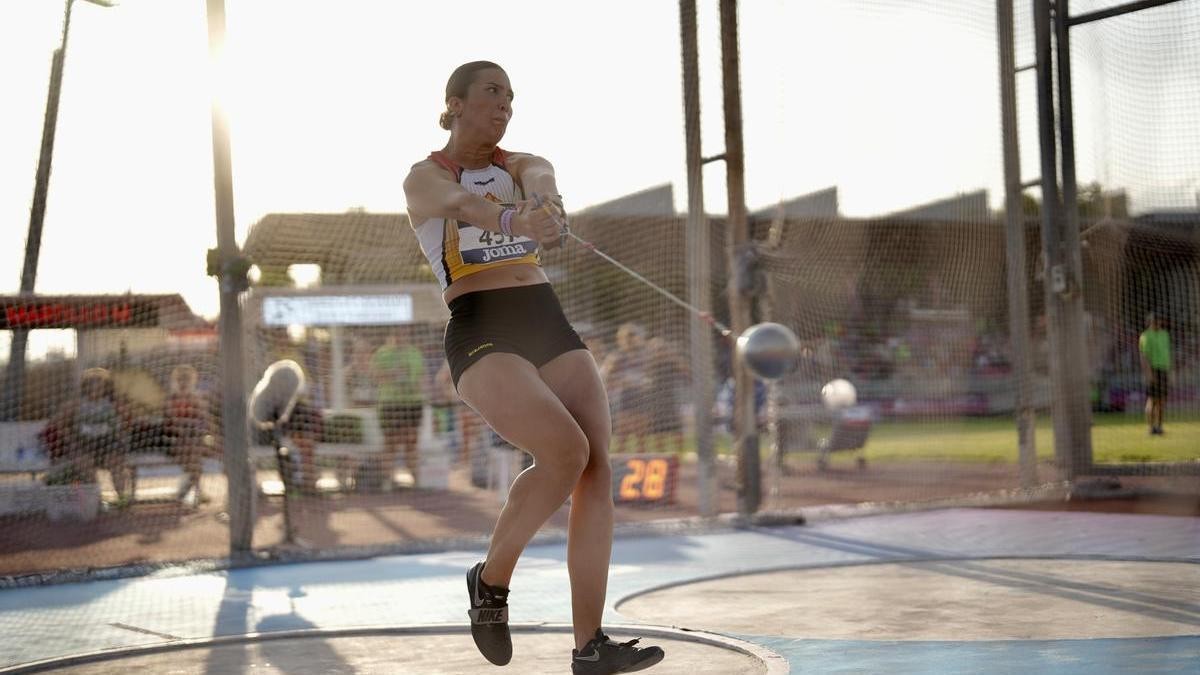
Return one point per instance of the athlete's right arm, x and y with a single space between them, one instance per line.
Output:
432 192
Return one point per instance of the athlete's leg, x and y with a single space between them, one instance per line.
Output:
506 391
468 422
575 380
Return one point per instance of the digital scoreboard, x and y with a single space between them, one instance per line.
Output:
644 478
76 312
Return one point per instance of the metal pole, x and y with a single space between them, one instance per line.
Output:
1052 248
1077 405
1018 291
698 251
337 343
1109 12
232 282
745 426
14 389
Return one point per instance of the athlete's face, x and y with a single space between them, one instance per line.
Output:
488 106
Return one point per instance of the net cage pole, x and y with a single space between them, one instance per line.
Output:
1064 22
745 429
698 251
231 281
1018 289
1079 411
1064 292
1061 244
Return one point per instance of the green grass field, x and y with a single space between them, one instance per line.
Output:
1116 437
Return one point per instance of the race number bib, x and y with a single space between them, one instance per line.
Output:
479 246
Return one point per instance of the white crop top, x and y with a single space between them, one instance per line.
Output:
457 249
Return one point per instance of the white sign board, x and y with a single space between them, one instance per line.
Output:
20 447
337 310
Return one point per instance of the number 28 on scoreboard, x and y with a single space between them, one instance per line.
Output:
644 478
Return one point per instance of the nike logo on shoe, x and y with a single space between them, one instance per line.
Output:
594 657
476 599
490 615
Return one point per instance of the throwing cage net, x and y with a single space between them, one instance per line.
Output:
874 183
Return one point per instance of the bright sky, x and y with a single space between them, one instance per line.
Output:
895 102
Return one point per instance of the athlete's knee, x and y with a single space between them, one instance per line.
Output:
598 471
578 453
569 457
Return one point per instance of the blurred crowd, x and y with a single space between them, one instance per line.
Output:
170 402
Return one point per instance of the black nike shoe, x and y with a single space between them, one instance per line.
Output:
602 656
489 617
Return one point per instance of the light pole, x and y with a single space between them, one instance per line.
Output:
10 406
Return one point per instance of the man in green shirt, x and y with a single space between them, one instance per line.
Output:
399 374
1155 346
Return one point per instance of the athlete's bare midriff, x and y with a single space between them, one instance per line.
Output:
500 277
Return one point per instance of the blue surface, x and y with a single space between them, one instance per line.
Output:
50 621
1154 655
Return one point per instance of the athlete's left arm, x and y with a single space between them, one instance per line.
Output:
536 176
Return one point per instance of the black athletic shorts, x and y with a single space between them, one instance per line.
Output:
524 320
1156 386
397 417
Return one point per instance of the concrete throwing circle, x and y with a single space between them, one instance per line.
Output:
430 650
994 599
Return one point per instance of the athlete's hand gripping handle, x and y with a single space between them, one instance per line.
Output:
541 221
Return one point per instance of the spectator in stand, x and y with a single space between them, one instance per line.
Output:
187 423
1155 346
305 428
668 377
465 421
626 376
398 370
359 382
723 407
90 433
